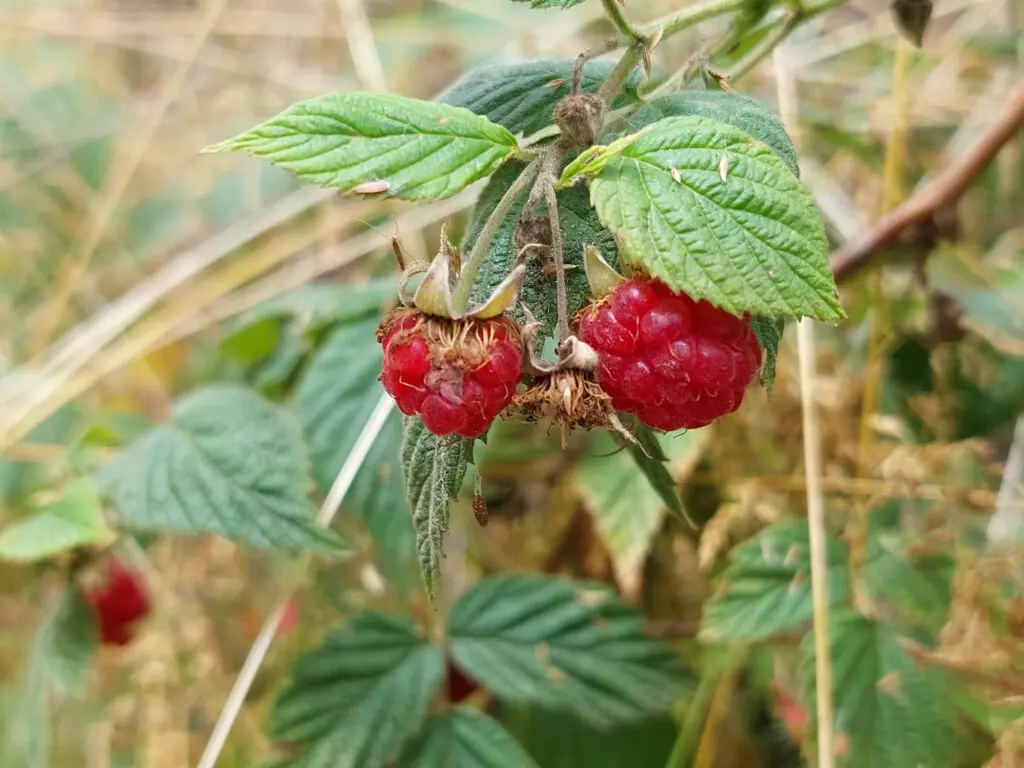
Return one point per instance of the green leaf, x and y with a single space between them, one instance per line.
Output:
568 645
522 97
627 507
769 335
73 520
68 641
61 653
766 589
580 227
465 738
561 740
354 702
743 112
434 468
551 3
754 242
888 709
335 397
423 150
230 463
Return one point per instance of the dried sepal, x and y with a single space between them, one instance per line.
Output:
435 295
571 399
603 279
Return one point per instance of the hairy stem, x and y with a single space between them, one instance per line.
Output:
614 12
790 21
478 254
611 87
556 253
693 16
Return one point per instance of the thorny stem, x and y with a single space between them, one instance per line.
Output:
614 12
556 252
478 254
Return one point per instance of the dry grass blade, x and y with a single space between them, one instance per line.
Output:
786 89
261 646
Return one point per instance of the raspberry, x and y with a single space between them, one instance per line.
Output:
119 602
458 685
457 375
674 362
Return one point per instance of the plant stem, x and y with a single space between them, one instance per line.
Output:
618 18
775 35
556 252
478 254
692 16
611 87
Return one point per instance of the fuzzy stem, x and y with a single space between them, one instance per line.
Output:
614 12
478 254
556 252
611 87
692 16
790 21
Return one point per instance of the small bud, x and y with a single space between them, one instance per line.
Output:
912 17
579 117
480 510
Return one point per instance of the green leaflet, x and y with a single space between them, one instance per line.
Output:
464 737
567 645
334 399
419 150
766 589
769 332
521 97
753 242
743 112
73 520
629 507
354 702
61 653
580 227
888 709
229 463
434 469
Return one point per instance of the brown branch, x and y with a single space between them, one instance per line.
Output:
942 192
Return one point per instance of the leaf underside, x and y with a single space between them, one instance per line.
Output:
769 332
434 469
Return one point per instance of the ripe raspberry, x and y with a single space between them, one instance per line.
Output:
674 362
457 375
119 602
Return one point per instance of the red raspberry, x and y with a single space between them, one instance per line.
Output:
674 362
457 375
119 602
458 685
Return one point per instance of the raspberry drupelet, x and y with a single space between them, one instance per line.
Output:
456 375
674 362
119 602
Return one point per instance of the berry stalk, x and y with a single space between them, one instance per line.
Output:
477 255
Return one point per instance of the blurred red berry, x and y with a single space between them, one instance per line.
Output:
456 375
119 602
458 685
674 362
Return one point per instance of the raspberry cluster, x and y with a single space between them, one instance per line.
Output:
119 602
457 375
674 362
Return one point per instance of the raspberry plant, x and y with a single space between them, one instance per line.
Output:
637 247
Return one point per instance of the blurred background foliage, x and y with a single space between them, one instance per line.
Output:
133 269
